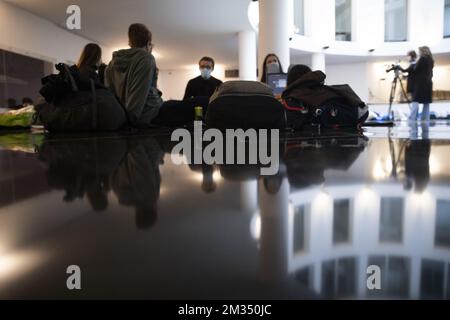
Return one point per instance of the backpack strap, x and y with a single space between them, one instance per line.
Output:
94 105
73 83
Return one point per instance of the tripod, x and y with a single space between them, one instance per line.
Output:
397 79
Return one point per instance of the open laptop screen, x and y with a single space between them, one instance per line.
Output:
277 81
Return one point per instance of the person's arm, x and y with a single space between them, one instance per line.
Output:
139 88
189 91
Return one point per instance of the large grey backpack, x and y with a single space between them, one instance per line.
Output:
245 104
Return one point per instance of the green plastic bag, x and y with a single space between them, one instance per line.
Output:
18 118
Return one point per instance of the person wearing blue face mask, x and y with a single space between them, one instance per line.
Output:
205 84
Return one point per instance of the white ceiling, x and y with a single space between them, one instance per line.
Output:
183 30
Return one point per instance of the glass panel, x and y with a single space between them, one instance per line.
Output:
339 278
432 280
341 221
395 15
346 280
299 229
447 19
299 17
442 235
391 220
305 277
329 286
343 20
20 77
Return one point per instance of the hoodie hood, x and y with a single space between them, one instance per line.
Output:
123 59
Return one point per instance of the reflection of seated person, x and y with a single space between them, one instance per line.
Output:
207 172
417 165
82 168
205 84
136 182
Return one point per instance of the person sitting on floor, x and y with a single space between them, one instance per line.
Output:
90 62
271 64
131 75
205 84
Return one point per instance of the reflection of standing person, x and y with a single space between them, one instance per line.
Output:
423 85
417 164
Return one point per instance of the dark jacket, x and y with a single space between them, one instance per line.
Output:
311 91
423 82
411 77
89 72
199 87
132 75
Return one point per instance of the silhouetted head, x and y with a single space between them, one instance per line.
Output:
272 184
91 56
270 59
139 36
27 102
296 72
98 199
412 55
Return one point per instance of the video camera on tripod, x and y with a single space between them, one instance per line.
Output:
395 67
398 71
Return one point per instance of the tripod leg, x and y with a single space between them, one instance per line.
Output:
404 92
392 97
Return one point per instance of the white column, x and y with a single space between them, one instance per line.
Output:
274 233
274 17
318 62
247 55
249 195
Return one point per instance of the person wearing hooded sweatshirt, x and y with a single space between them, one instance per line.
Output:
132 76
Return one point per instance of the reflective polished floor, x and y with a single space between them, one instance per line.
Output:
139 226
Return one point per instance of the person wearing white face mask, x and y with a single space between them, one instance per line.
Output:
205 84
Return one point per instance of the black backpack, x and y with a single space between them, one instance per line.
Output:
245 105
76 104
308 101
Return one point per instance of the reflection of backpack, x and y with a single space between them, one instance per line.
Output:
309 101
245 105
76 103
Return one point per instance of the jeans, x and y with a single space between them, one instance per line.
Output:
415 111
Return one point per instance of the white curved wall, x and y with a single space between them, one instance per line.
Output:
425 27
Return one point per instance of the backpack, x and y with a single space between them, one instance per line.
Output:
308 101
76 104
245 105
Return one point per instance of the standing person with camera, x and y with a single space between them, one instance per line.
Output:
412 58
422 92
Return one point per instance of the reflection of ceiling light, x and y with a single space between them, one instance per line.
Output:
255 226
12 265
382 169
322 201
435 166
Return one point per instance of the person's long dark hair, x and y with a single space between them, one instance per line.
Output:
90 57
264 67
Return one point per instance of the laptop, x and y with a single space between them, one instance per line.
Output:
277 81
